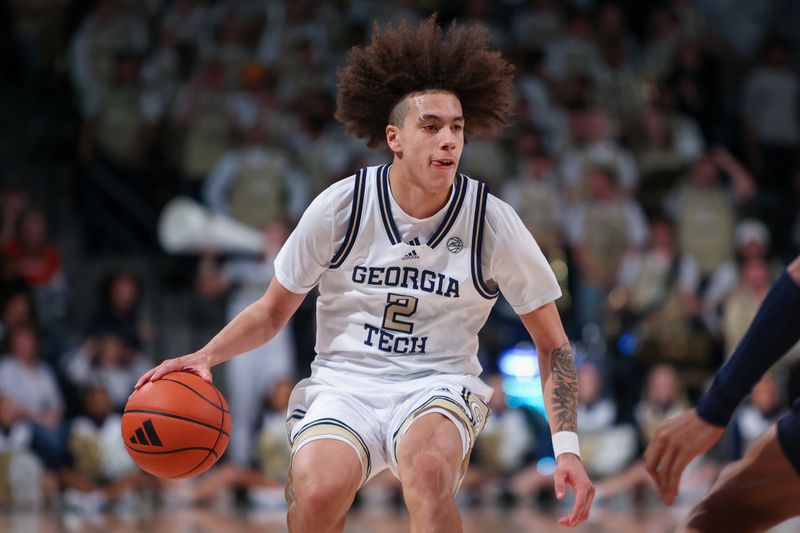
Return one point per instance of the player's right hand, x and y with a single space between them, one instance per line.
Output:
196 363
676 442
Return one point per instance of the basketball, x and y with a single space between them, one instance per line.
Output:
177 426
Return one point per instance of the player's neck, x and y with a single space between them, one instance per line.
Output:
413 199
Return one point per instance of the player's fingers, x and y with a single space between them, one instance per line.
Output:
665 471
674 472
582 499
145 378
654 453
560 485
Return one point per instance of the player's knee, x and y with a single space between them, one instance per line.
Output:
428 476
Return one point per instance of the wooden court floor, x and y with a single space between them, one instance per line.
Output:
480 520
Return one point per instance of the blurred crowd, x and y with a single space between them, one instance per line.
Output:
653 155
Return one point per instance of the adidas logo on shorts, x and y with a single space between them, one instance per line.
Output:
146 435
411 255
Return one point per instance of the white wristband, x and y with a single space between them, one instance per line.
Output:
566 442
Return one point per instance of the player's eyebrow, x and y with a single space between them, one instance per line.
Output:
429 116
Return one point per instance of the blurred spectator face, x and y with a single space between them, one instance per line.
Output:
127 70
654 127
598 125
778 55
18 310
755 274
766 395
614 54
662 386
704 173
688 57
24 345
665 23
590 384
661 234
279 395
97 403
611 20
601 184
124 292
33 230
111 351
538 167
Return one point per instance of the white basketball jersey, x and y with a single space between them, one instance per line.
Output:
396 309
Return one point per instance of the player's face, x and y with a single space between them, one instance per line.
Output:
430 142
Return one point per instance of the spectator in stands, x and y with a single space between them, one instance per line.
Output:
705 209
99 473
662 399
752 242
272 454
771 114
534 194
663 147
16 309
36 258
600 148
24 483
506 455
202 121
656 296
606 448
601 230
743 302
120 310
108 360
765 407
32 386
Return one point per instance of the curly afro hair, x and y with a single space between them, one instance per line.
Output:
405 60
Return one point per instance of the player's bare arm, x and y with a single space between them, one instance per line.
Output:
560 389
679 440
254 326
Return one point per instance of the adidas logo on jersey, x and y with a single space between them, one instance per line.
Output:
411 255
146 435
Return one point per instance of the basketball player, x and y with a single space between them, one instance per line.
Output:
409 259
763 488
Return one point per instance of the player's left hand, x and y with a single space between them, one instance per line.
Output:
570 472
675 443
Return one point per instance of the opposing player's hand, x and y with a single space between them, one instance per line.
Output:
570 472
676 442
196 363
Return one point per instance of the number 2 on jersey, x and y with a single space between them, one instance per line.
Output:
399 305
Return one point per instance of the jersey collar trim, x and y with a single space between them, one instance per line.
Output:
385 206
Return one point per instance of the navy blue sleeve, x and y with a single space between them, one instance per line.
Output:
775 329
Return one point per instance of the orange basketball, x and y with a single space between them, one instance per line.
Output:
177 426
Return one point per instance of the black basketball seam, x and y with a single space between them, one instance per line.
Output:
164 452
194 391
219 433
179 417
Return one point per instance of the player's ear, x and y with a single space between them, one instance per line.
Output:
393 138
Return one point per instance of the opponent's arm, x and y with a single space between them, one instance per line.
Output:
774 330
254 326
560 389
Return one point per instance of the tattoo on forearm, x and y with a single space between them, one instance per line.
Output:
565 391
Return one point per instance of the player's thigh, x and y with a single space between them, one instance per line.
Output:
758 491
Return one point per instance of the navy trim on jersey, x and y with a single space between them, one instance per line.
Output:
338 423
355 220
385 205
459 193
477 244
